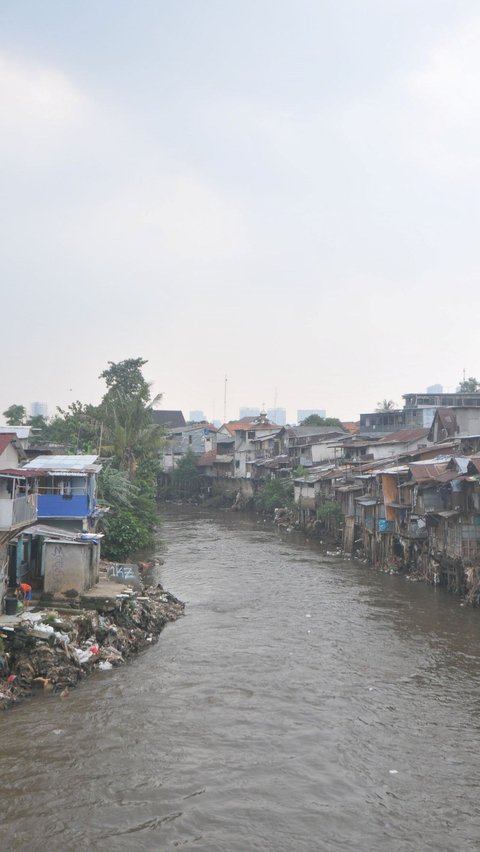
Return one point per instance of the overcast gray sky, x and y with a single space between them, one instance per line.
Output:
283 192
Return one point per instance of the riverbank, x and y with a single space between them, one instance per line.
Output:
53 648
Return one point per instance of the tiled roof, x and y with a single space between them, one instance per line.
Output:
351 426
243 426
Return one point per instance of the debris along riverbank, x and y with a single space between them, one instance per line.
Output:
54 648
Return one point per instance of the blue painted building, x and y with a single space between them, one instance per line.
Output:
67 488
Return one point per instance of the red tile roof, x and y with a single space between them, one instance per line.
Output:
244 426
351 426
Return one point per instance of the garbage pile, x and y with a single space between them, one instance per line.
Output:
52 651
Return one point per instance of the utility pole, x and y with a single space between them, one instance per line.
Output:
225 401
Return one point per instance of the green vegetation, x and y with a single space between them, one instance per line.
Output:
276 494
121 431
316 420
470 385
329 509
15 415
186 477
131 443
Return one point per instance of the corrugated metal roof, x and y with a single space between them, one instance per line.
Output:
20 431
404 436
433 471
62 464
269 436
313 431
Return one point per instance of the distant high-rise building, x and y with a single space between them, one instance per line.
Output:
435 389
247 411
302 413
197 416
39 409
277 415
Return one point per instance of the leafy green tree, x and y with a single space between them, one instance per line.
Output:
39 427
124 534
78 428
186 476
125 379
470 385
316 420
15 415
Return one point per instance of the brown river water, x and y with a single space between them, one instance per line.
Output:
304 702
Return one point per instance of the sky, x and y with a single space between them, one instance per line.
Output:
283 192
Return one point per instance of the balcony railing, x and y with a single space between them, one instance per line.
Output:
21 510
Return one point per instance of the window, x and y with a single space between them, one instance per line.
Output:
251 436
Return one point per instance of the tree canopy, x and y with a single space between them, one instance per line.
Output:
125 379
471 385
15 415
316 420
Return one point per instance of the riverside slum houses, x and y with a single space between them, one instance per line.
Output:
245 453
406 500
48 515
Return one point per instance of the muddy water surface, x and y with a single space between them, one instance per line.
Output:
303 703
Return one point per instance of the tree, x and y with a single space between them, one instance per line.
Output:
38 426
470 385
386 405
78 427
125 379
132 441
186 475
316 420
131 436
15 415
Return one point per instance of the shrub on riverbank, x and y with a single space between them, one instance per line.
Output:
275 493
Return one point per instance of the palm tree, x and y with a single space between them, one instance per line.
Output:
386 405
131 433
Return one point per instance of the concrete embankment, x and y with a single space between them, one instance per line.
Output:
53 649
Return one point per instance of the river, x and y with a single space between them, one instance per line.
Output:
304 702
